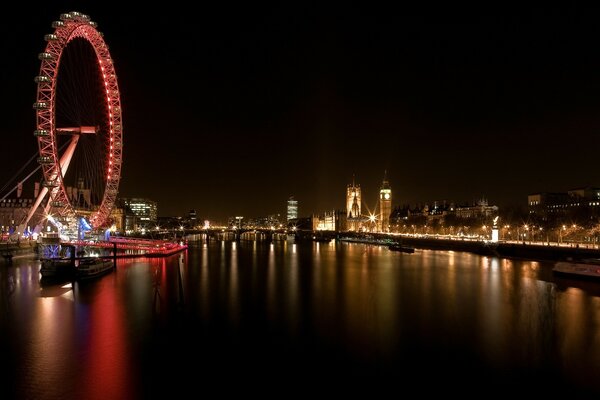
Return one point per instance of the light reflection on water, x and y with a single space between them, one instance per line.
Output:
318 312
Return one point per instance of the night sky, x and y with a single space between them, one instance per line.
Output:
231 110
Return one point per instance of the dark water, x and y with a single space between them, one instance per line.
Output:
307 319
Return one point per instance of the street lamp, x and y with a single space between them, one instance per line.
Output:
560 233
505 231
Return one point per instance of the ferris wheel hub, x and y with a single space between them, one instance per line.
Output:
77 130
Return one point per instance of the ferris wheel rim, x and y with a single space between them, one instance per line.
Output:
70 26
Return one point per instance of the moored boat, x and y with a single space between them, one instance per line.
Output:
401 247
60 267
91 267
367 240
583 269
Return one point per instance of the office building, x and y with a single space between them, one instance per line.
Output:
292 209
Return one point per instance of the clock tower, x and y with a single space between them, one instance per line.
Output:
385 205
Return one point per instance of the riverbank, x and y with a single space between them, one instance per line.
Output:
522 250
505 249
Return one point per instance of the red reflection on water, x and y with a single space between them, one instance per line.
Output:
106 372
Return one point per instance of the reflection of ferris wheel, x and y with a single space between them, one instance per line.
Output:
79 127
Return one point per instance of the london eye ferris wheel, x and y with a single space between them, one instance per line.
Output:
79 127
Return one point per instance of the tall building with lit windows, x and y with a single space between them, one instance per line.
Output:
385 205
292 209
145 210
353 207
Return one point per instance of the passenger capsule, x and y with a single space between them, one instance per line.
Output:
41 132
45 56
58 24
57 204
49 184
40 105
65 17
93 24
50 37
42 78
45 160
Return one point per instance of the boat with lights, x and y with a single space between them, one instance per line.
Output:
92 267
585 268
401 247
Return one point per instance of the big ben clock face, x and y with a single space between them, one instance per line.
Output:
386 196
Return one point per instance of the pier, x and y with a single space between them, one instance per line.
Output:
121 248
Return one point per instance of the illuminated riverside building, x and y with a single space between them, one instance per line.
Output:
145 210
443 217
117 217
577 205
478 211
354 218
12 212
385 206
330 221
272 221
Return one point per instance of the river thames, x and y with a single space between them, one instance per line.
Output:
286 319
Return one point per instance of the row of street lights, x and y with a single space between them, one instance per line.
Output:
521 233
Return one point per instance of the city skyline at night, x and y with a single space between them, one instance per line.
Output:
299 198
230 114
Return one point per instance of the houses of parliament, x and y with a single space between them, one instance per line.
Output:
353 218
386 219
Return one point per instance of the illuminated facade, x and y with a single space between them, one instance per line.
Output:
12 213
581 205
292 209
385 206
353 207
145 210
329 221
480 210
117 216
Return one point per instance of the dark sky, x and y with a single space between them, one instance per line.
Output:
230 110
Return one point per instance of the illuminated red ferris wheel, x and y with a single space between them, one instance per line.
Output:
79 127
